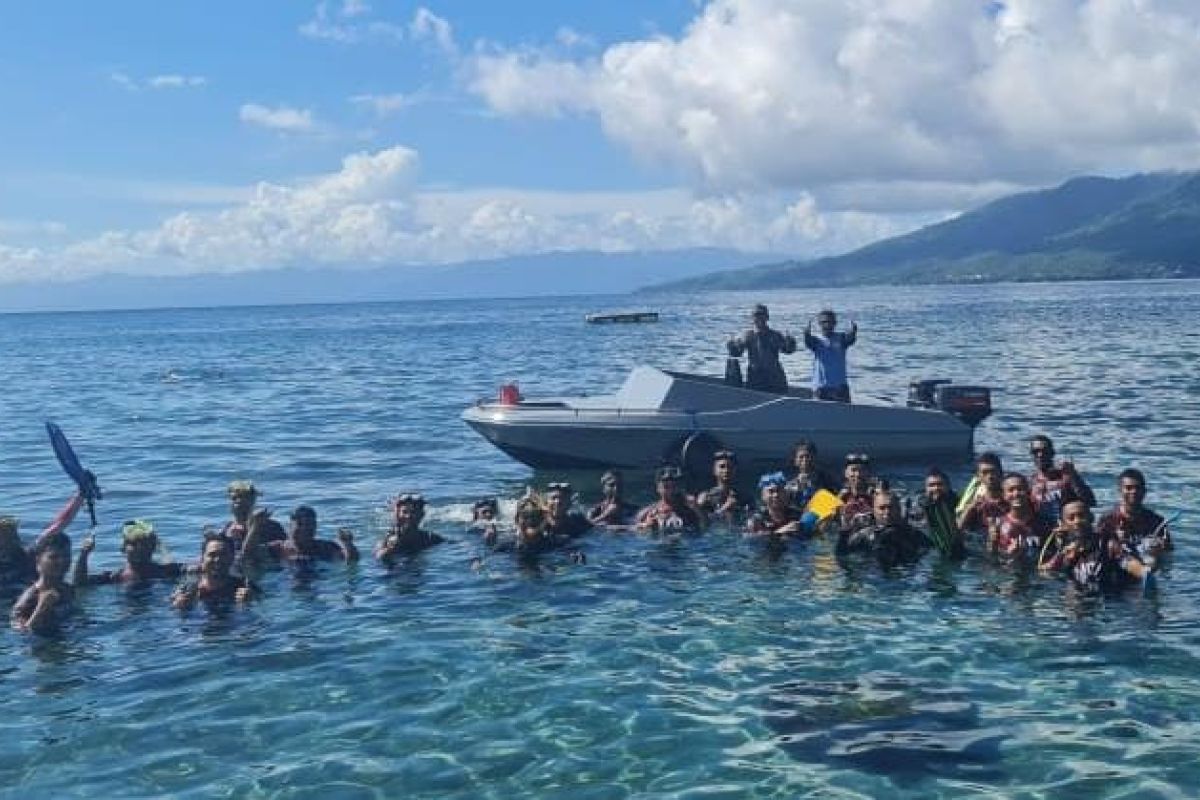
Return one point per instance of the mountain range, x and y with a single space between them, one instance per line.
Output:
1089 228
546 274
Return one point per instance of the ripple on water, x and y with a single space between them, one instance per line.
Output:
706 667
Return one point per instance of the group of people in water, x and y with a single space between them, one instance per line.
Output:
1043 520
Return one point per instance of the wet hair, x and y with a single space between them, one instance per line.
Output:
216 536
242 487
9 525
486 502
612 475
303 511
807 445
55 541
1043 438
530 510
760 311
136 530
1017 476
1133 475
936 472
989 458
827 312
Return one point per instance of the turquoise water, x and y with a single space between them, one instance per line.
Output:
710 667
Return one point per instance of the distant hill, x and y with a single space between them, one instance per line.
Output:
1145 226
544 274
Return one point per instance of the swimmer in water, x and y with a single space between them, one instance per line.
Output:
884 532
139 543
50 600
988 503
561 520
1054 485
721 500
242 497
776 515
1020 533
216 583
856 492
671 512
18 565
1089 558
1136 526
484 519
302 544
806 479
406 537
612 511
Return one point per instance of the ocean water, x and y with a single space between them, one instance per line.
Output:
710 667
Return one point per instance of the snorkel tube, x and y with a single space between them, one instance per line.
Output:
84 479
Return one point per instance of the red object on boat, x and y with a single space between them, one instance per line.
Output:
510 395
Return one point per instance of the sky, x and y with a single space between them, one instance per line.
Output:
158 138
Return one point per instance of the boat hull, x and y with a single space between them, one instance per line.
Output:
571 438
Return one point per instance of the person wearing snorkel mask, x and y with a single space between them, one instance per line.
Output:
139 543
612 510
406 537
242 497
1052 485
671 512
885 533
1090 558
561 520
856 491
722 500
776 515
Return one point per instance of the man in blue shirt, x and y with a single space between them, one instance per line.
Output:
830 381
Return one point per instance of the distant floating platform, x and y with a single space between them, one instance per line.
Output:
634 316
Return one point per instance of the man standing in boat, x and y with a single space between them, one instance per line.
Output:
830 379
762 346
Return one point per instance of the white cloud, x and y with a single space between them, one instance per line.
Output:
175 81
281 118
348 24
805 95
166 81
372 211
384 105
426 25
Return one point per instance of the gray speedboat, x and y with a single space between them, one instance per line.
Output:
661 417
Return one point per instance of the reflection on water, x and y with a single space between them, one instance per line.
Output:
662 666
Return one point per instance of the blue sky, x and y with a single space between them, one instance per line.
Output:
160 138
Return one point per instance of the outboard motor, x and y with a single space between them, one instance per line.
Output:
971 404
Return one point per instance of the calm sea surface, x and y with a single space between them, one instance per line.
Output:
710 667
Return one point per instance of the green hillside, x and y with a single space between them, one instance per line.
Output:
1145 226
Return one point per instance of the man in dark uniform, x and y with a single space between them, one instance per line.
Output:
762 346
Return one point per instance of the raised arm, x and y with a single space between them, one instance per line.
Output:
852 336
345 540
736 345
80 576
60 522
